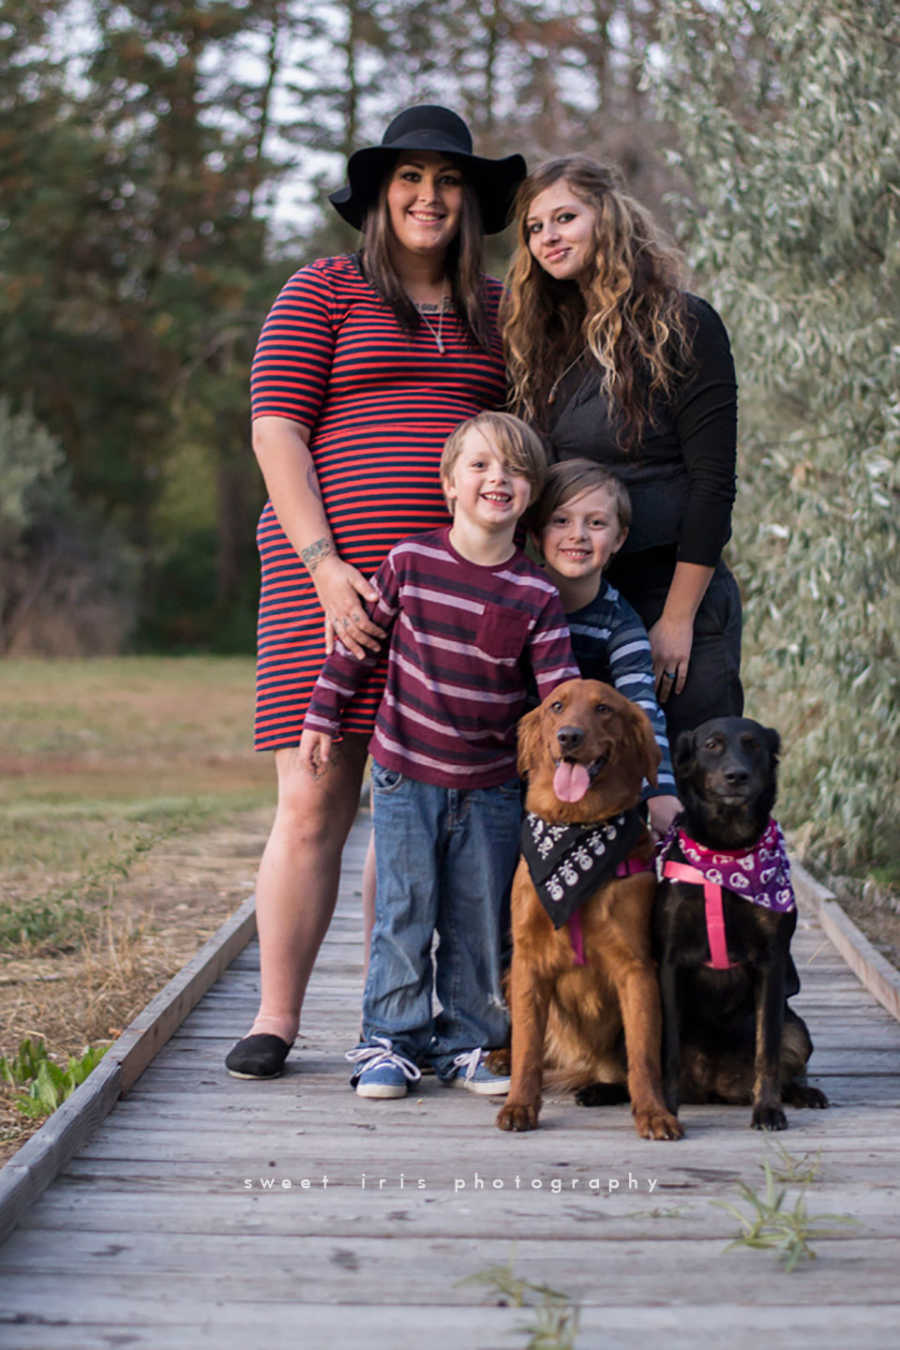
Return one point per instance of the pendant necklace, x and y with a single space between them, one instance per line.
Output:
436 333
551 397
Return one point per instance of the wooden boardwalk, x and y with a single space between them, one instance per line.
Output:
199 1213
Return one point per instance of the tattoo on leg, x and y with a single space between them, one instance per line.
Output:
314 554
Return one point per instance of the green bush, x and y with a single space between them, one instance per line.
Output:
789 115
67 580
182 608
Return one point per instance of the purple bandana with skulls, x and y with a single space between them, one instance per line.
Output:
762 875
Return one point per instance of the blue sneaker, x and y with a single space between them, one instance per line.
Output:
382 1071
474 1073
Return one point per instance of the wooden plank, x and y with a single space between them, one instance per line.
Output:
336 1211
859 1033
186 1188
323 1108
387 1326
725 1156
167 1086
876 973
385 1169
35 1165
165 1100
589 1269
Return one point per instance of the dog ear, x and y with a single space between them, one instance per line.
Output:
529 734
684 750
648 751
773 741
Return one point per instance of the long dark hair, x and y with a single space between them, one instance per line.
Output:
632 319
463 265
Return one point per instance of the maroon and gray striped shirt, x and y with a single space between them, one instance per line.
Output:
463 638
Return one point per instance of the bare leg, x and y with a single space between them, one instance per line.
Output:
298 877
368 901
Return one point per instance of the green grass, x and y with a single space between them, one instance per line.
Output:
127 706
42 925
101 761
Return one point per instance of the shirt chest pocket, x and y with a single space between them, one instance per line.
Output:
502 632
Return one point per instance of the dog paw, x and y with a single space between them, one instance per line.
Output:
656 1123
801 1094
768 1118
499 1061
512 1116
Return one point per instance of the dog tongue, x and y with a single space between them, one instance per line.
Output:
571 782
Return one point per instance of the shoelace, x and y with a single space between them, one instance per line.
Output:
470 1061
374 1056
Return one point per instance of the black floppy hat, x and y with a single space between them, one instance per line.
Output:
430 127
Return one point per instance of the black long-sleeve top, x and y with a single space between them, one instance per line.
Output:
681 477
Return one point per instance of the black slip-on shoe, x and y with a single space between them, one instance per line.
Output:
260 1056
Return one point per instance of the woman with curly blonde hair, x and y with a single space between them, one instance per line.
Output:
614 361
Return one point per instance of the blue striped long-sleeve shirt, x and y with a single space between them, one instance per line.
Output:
610 643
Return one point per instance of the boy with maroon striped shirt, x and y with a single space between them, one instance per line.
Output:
468 616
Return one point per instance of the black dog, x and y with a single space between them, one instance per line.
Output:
722 933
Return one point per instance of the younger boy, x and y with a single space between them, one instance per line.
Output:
467 614
578 524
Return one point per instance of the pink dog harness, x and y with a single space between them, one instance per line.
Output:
715 918
627 868
761 874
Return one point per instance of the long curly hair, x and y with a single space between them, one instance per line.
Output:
631 318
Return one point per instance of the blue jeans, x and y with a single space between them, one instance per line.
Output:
444 861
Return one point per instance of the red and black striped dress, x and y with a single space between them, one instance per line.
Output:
380 403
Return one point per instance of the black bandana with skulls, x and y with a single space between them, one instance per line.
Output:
569 862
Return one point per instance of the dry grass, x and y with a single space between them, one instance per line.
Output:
134 817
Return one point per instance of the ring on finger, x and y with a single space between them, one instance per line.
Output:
668 674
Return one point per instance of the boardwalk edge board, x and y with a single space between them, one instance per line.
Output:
49 1150
870 967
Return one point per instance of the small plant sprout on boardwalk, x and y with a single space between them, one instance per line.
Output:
769 1225
555 1324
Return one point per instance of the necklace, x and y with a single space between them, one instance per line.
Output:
551 397
436 333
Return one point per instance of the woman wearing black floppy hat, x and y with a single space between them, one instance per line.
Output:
364 366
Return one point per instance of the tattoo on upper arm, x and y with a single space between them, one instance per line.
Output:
316 551
312 482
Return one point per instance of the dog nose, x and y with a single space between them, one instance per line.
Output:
736 777
569 739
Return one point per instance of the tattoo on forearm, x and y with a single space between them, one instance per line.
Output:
313 555
312 482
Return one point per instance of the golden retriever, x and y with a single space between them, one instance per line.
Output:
584 753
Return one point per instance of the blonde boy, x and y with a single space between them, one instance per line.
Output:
467 614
